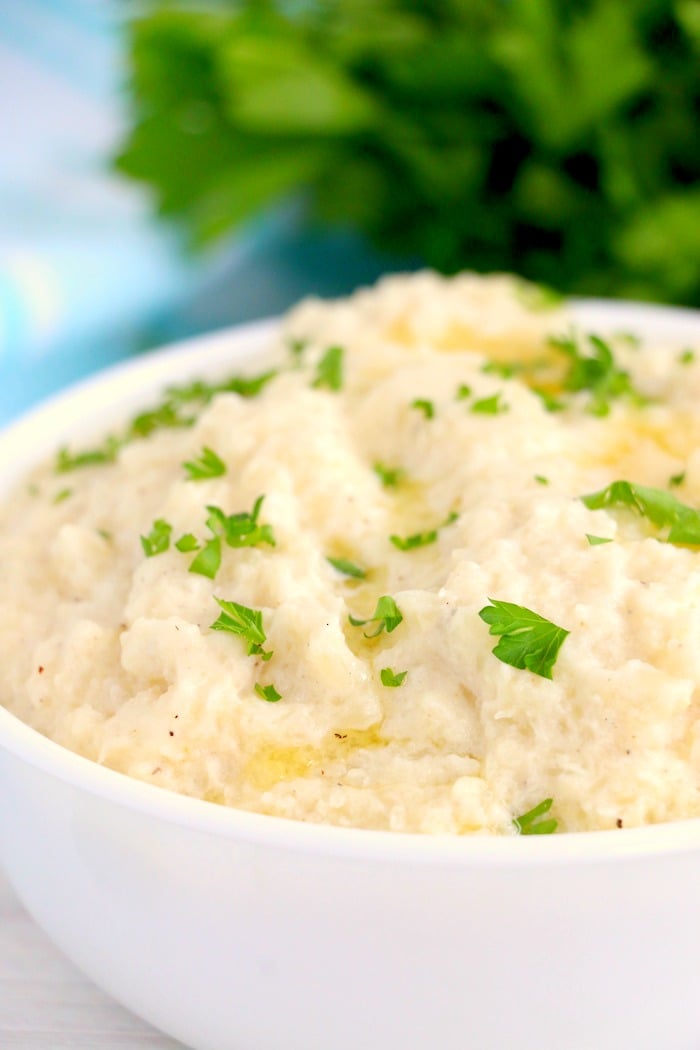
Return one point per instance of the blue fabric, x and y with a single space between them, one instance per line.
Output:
87 275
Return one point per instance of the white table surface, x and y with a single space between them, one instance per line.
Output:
46 1004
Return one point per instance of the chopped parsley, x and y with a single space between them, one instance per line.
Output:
348 568
389 476
188 542
246 623
463 392
426 407
207 465
528 641
202 392
236 530
63 495
106 453
489 406
595 541
592 368
541 479
387 617
158 539
392 679
329 370
530 824
686 357
659 507
418 539
677 479
268 692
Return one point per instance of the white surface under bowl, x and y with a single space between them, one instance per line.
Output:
233 931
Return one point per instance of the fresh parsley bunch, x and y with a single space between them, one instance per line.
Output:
558 138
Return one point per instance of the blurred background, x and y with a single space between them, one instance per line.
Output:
172 168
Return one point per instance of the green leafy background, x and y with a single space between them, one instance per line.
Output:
557 138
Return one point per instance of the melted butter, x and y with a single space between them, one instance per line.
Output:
621 443
272 764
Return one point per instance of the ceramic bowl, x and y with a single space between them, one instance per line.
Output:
234 931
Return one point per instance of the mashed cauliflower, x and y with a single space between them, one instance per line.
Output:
278 595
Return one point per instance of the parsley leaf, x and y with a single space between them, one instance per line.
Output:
241 530
489 406
268 692
107 453
528 641
418 539
530 824
463 392
389 476
246 623
686 357
329 370
593 368
348 568
387 616
158 539
595 541
208 561
392 679
188 542
426 407
659 507
207 465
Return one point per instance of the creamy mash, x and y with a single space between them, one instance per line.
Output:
351 523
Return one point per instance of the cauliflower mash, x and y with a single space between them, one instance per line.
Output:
433 567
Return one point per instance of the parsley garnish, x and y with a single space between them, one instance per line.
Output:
158 539
387 616
389 476
207 465
463 392
348 568
63 495
686 357
392 679
659 507
677 479
528 641
426 407
489 406
107 453
187 543
329 370
246 623
236 530
594 370
268 692
595 541
530 824
418 539
541 479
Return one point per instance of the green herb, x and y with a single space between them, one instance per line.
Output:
158 539
63 495
462 134
268 692
592 368
550 403
202 392
387 616
392 679
463 392
329 370
389 476
528 641
208 465
659 507
106 453
208 561
105 534
541 479
530 824
188 542
504 369
297 346
418 539
348 568
677 479
489 406
241 530
595 541
687 357
426 407
164 417
246 623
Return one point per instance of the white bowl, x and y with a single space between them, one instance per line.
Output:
233 931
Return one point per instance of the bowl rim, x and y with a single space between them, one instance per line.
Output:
109 387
